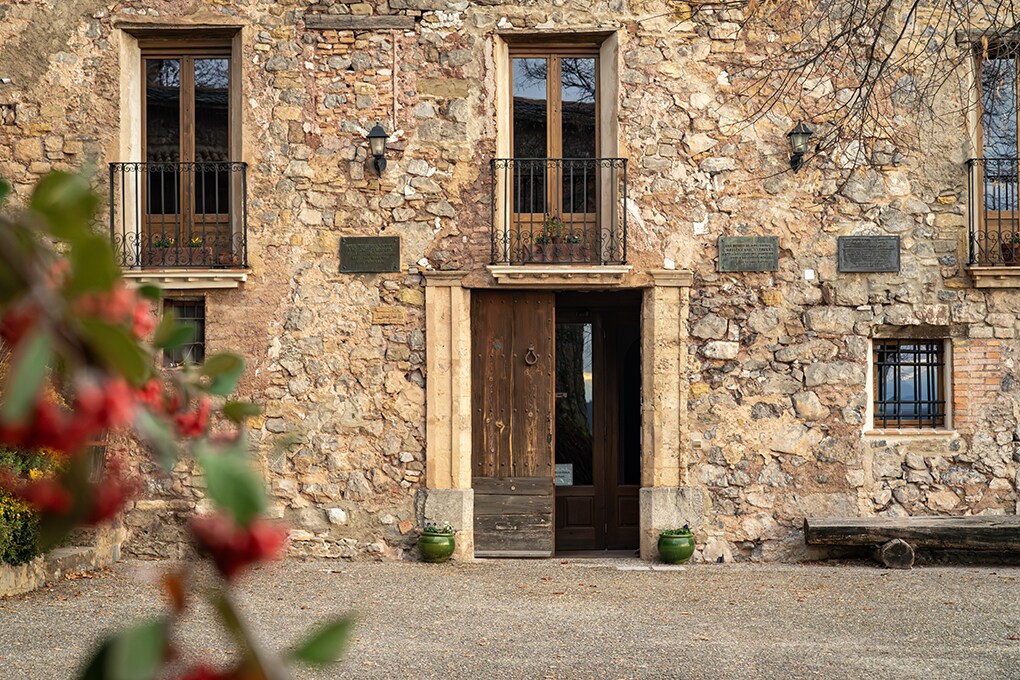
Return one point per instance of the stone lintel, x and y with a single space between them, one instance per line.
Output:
444 278
559 276
668 507
349 22
676 278
995 277
456 506
212 25
189 279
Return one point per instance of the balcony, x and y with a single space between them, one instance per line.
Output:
993 200
180 219
556 213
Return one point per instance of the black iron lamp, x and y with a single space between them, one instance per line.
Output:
377 141
799 138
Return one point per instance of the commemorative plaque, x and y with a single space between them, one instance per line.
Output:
369 254
748 253
868 253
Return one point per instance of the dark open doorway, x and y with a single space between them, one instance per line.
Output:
597 441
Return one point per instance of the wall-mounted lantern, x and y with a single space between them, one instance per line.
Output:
377 141
799 138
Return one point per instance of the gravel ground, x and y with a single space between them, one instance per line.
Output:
570 619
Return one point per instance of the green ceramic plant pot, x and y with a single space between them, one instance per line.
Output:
676 549
436 547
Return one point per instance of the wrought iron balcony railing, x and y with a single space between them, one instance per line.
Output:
559 211
179 215
994 207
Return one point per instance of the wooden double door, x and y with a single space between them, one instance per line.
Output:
556 421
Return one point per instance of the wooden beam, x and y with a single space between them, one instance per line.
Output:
350 22
987 532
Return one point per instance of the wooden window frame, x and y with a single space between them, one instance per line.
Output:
555 53
187 51
942 370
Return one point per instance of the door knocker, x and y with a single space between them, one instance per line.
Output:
531 358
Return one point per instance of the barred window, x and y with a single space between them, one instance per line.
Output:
910 383
192 313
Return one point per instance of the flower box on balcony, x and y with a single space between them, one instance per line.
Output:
1010 253
155 256
559 252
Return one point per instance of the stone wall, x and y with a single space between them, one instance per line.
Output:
777 363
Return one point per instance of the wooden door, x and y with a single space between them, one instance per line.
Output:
512 426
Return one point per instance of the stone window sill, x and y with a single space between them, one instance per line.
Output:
911 434
558 276
995 276
189 279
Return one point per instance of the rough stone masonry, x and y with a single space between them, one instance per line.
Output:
775 389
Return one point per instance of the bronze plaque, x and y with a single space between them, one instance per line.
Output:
748 253
369 254
868 253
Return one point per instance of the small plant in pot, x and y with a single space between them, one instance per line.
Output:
676 545
436 542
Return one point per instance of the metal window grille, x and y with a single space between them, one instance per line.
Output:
910 383
190 312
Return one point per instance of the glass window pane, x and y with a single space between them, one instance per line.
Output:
212 135
574 431
577 90
529 131
999 132
162 134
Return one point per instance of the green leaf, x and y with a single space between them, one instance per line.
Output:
231 482
325 645
93 267
150 292
238 411
31 364
137 653
118 350
170 334
5 190
223 370
67 203
159 436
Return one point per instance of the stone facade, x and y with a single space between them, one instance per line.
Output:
759 380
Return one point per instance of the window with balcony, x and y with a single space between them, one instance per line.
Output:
557 198
183 205
995 231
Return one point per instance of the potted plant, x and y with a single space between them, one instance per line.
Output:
1010 248
546 241
161 251
574 248
676 545
436 542
199 254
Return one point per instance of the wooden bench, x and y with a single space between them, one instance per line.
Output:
894 538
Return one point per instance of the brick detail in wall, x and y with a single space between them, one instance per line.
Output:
976 380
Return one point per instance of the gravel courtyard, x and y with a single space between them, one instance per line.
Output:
571 619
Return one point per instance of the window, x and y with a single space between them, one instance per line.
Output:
180 201
558 195
909 382
191 312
